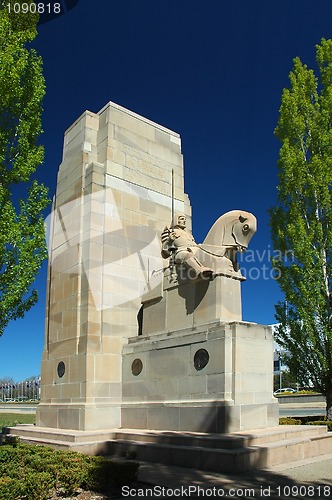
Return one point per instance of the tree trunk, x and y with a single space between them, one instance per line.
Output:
329 403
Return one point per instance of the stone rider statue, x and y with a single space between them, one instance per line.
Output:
179 244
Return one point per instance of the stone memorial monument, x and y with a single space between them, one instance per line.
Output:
145 344
144 327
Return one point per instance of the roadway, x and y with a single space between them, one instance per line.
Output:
285 409
302 409
301 412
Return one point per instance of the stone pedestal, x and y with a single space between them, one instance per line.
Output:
173 304
214 378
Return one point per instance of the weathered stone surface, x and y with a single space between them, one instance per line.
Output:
113 192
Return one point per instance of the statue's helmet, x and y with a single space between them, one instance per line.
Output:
180 220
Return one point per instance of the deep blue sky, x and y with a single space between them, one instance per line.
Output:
214 72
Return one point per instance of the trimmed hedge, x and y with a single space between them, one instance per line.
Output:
305 421
289 421
286 393
322 422
36 472
308 392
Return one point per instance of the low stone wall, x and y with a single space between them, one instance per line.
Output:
302 398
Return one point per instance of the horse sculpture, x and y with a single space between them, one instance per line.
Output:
217 255
228 236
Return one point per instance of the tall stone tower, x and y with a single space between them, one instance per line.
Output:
113 196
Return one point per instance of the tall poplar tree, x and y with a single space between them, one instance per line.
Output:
302 223
22 199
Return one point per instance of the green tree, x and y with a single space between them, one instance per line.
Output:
302 223
22 198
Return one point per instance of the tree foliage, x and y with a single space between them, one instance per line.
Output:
302 222
22 198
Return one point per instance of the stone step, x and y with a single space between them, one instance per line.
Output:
235 453
236 460
63 435
90 448
225 441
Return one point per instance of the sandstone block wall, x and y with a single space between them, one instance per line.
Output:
112 200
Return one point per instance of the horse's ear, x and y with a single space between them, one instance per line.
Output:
242 219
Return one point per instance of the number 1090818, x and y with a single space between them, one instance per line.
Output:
34 7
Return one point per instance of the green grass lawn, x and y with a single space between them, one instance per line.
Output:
10 419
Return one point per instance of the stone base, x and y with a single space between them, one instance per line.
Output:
199 416
215 377
235 452
80 416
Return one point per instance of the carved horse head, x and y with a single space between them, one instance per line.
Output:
233 230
